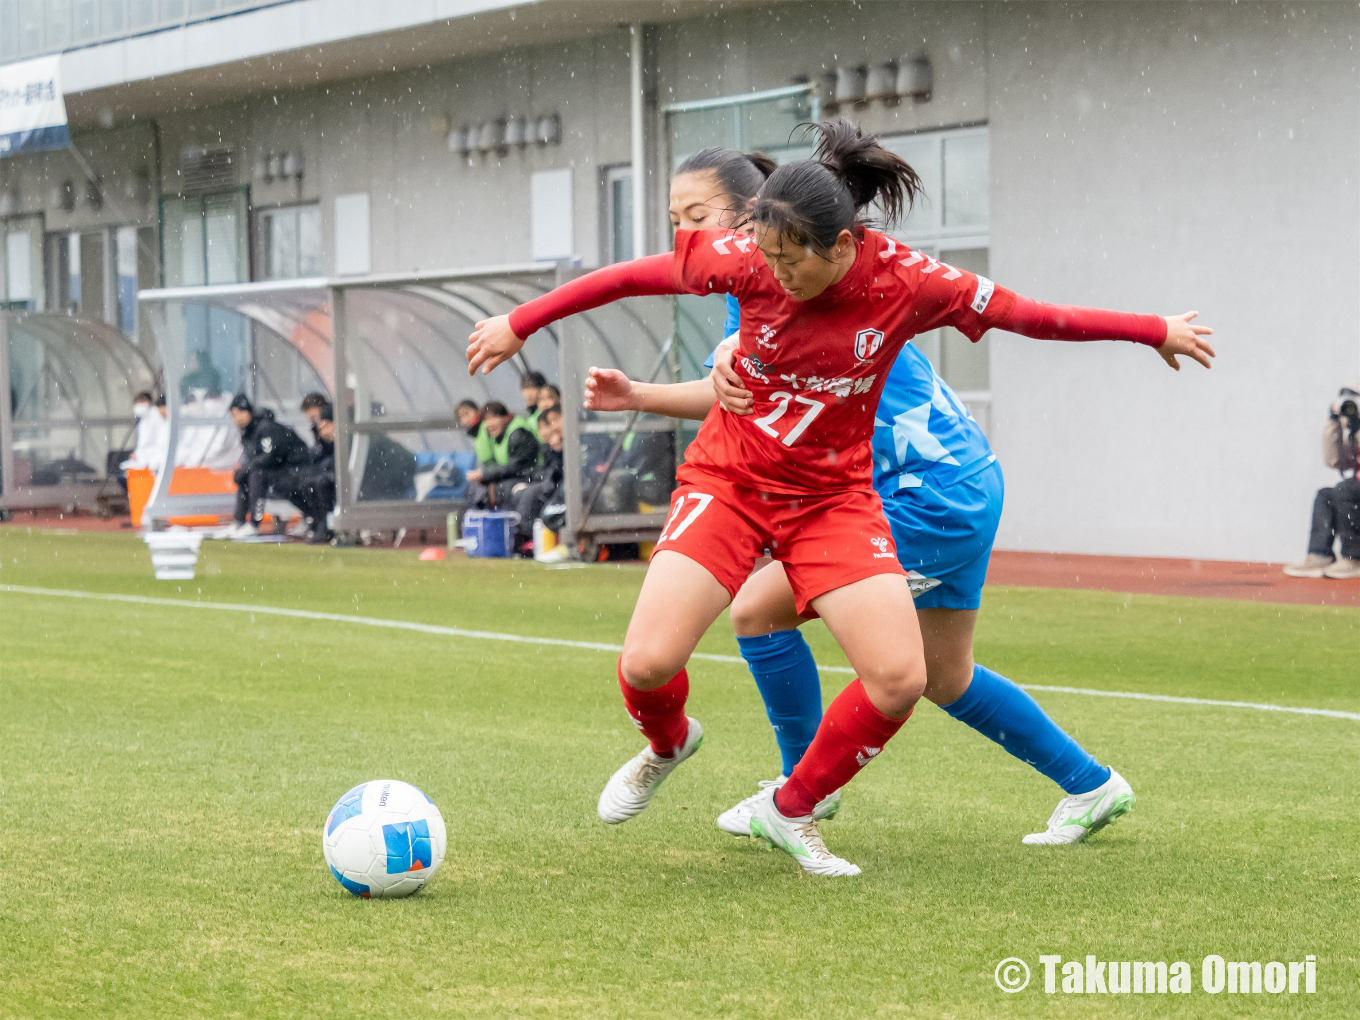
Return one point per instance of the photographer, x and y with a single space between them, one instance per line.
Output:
1336 510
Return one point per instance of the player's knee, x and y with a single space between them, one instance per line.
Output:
648 668
896 683
748 617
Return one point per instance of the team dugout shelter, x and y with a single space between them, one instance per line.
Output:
66 421
389 351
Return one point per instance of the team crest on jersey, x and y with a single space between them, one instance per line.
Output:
867 343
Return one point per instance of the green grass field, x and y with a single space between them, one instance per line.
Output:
165 772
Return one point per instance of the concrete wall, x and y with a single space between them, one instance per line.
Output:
1150 156
1168 157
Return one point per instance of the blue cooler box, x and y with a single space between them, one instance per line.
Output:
489 533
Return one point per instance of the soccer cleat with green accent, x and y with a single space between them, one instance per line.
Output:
632 787
797 837
1078 816
737 819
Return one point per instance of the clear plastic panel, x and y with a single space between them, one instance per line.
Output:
411 465
71 387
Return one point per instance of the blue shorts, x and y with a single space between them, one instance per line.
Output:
944 537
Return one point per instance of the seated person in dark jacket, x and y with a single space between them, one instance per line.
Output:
312 488
272 454
507 450
545 481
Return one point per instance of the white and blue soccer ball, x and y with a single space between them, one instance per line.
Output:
383 839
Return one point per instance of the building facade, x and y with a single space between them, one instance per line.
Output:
1149 156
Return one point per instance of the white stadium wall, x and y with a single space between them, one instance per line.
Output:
1163 157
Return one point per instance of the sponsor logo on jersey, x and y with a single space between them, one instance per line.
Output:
867 343
765 338
881 544
266 444
983 295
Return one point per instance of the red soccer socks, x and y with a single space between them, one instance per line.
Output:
660 714
852 732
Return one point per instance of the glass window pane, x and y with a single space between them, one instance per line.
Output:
111 18
923 153
621 208
127 280
59 25
85 21
965 181
30 26
172 12
966 366
309 240
141 14
191 268
18 266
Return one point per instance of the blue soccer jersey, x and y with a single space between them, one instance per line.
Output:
922 431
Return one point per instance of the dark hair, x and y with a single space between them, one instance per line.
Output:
553 388
312 400
496 409
811 201
739 174
160 400
327 412
472 404
555 410
144 395
528 379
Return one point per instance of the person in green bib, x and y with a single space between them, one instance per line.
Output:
531 386
507 451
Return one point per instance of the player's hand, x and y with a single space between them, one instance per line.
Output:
1183 338
732 393
492 342
608 389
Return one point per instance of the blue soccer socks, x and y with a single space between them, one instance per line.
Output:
787 677
1002 712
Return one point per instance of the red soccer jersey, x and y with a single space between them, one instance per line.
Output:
816 368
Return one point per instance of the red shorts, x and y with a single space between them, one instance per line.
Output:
824 542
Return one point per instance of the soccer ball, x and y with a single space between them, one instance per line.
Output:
383 839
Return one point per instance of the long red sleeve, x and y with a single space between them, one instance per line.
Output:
654 274
1043 321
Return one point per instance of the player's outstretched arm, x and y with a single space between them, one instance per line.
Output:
1171 336
608 389
496 340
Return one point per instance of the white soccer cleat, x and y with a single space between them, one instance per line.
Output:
244 531
1077 817
632 787
737 819
797 837
223 533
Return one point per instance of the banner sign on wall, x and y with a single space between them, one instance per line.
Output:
32 108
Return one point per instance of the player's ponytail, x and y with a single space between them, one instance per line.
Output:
811 201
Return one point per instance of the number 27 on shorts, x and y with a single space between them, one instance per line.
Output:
699 504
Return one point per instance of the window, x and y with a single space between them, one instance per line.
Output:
204 238
289 241
951 223
21 262
618 213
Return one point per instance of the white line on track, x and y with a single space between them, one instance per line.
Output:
597 646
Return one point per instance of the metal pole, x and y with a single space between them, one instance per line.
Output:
339 349
7 486
639 150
